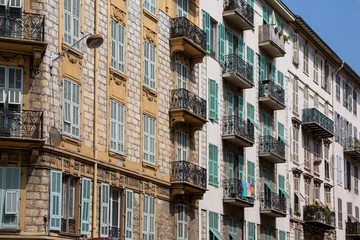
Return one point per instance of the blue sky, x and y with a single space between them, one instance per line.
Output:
336 22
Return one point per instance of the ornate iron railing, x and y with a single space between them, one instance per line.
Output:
234 64
268 33
314 115
183 99
21 25
24 124
319 214
242 7
273 201
269 88
353 228
183 27
235 125
269 144
352 144
183 171
114 233
233 188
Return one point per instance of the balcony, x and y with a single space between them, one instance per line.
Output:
272 204
318 123
235 195
114 233
319 216
22 33
238 14
352 148
272 95
21 129
187 179
353 229
272 149
238 72
271 41
237 131
186 107
188 38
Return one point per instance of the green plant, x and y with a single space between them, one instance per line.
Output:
286 38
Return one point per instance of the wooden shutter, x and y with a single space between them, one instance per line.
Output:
67 112
113 45
67 15
181 143
75 122
121 48
104 210
281 182
240 107
240 48
262 68
85 206
273 72
152 67
182 223
213 101
222 43
251 172
266 15
296 48
230 96
251 231
213 168
10 176
241 167
281 79
207 30
146 63
250 59
129 202
230 36
266 125
55 200
230 157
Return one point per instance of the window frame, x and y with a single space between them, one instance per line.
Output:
149 153
150 64
72 104
119 124
117 42
151 7
70 33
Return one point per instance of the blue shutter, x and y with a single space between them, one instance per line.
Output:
240 48
262 68
230 36
85 206
241 167
129 202
11 197
222 43
55 200
207 30
104 210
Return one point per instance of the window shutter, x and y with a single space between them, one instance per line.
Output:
281 182
10 192
250 59
222 43
104 210
146 64
240 48
152 67
336 127
153 7
182 224
121 128
281 79
231 165
230 103
213 102
216 102
67 22
181 144
145 217
216 181
121 46
85 206
129 214
76 110
251 3
251 231
230 42
241 167
262 68
76 21
113 45
296 48
240 108
251 173
55 200
273 71
266 15
213 168
207 30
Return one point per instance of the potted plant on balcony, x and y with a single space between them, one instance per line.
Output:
230 5
281 33
276 29
286 38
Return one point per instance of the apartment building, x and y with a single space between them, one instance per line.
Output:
104 142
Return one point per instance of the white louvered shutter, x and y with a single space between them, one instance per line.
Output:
76 92
121 46
104 210
113 46
129 215
55 200
67 22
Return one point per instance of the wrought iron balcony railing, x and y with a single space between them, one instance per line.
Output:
352 144
269 144
21 25
237 126
269 88
314 115
233 188
319 214
242 7
353 228
183 27
24 124
183 171
273 201
234 64
183 99
114 233
267 33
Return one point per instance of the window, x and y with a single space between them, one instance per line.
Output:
306 59
355 102
340 223
282 235
297 234
338 159
317 191
71 109
68 202
295 95
307 191
316 68
307 152
336 127
326 79
213 165
213 100
281 135
221 43
129 213
251 115
148 218
181 144
233 228
296 49
356 180
85 206
149 142
345 94
317 150
182 8
337 87
181 75
241 167
251 231
104 210
150 6
251 172
347 176
296 204
149 65
230 42
213 38
230 159
267 233
10 197
266 15
349 209
72 23
114 212
281 79
11 85
357 213
214 226
282 191
55 200
326 161
182 222
250 60
295 154
296 183
117 128
328 196
117 46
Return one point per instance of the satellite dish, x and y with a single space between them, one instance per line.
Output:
55 136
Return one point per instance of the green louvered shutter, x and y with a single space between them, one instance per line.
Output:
251 231
230 36
251 172
222 43
266 125
55 200
10 178
207 30
240 107
85 206
251 3
129 214
282 235
241 167
231 165
240 48
104 210
281 79
230 103
250 60
281 182
266 15
273 71
262 68
213 165
213 100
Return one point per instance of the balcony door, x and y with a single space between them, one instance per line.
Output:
266 132
231 177
230 99
182 8
11 21
181 143
181 75
114 230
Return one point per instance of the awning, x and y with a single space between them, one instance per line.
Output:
284 141
254 123
285 193
234 236
216 234
267 184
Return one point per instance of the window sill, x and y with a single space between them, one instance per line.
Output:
10 230
149 91
307 74
117 155
117 76
72 51
70 234
150 166
150 15
71 140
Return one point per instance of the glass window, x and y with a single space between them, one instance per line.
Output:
72 23
149 139
67 218
117 46
117 128
71 108
149 65
150 6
